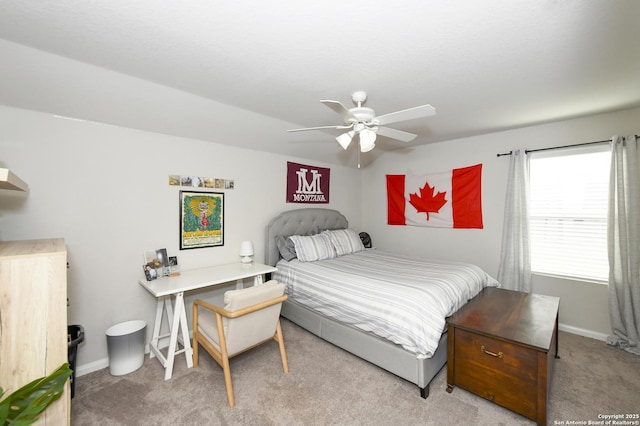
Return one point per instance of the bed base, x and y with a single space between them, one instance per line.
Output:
380 352
375 350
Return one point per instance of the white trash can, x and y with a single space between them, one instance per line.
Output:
125 345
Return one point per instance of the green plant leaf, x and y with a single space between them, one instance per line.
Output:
23 406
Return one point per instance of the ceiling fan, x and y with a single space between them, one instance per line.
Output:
364 122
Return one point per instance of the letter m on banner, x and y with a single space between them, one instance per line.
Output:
307 184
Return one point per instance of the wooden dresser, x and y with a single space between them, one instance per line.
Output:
502 346
33 318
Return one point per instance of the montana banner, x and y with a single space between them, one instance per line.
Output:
307 184
446 200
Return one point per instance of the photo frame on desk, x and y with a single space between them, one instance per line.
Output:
174 268
201 219
156 264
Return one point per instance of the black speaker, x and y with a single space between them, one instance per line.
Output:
366 239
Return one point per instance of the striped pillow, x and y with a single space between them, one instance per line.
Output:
313 247
345 241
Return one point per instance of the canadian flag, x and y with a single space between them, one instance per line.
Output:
446 200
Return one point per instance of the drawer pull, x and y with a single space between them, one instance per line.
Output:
483 348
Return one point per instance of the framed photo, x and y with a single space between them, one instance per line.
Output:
201 219
156 264
174 268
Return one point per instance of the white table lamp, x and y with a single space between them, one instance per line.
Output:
246 251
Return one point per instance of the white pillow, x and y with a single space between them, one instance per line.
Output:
345 241
313 247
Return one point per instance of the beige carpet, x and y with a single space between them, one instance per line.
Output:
329 386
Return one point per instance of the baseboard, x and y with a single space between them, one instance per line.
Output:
583 332
81 370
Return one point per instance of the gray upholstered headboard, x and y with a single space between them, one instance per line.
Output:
299 222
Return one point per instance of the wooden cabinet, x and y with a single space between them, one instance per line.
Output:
33 317
496 371
502 346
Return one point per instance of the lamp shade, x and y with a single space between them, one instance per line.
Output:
367 140
246 251
345 139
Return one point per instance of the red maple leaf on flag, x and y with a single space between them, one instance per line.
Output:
428 202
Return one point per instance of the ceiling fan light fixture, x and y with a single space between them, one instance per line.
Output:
367 140
345 139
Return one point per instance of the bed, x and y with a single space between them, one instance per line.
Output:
415 350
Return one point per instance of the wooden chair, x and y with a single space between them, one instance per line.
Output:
250 317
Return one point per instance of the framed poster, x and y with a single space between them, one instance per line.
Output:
201 219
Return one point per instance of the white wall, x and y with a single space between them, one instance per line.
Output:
105 190
583 306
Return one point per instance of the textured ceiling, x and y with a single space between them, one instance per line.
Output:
485 65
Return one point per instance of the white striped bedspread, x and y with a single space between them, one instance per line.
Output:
402 299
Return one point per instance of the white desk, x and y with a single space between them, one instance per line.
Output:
165 287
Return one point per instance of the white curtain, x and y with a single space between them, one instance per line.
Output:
514 272
623 245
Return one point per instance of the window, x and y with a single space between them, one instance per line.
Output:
568 212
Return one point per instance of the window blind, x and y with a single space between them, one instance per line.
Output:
568 213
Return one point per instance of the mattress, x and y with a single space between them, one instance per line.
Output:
403 299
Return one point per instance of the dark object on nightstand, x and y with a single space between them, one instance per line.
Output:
366 239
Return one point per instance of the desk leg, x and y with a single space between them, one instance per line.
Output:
179 326
168 308
156 326
186 343
173 339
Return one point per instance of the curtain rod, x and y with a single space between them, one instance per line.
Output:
558 147
526 151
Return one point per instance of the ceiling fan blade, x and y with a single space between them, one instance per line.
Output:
342 126
344 112
406 114
395 134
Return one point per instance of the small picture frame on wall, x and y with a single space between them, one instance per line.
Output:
201 219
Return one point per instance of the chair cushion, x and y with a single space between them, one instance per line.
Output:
247 330
238 299
207 326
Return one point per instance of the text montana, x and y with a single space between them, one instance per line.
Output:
309 197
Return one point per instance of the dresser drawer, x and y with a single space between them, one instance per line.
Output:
499 371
